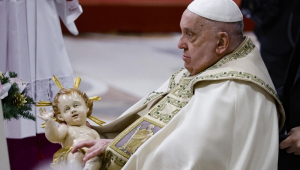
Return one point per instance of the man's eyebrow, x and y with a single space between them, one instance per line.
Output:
187 29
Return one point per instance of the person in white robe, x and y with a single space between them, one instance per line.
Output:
220 112
31 44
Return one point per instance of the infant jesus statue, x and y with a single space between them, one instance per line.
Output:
71 109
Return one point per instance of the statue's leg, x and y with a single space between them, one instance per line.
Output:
75 160
93 164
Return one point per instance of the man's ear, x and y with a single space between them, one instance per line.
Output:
223 43
59 117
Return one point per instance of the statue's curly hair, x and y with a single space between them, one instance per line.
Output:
88 102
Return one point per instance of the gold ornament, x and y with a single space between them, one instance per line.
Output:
19 100
43 103
95 98
77 82
57 82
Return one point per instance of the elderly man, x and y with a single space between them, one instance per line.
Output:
220 112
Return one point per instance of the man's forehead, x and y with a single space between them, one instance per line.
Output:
191 21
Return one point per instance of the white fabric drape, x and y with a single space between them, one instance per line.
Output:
33 47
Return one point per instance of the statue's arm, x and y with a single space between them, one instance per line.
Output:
53 133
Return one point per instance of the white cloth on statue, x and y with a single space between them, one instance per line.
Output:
36 52
228 124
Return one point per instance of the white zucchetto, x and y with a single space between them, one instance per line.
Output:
217 10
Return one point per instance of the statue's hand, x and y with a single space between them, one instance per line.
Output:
45 114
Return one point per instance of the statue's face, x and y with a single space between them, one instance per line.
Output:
198 42
73 109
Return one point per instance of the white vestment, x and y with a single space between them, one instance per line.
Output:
230 122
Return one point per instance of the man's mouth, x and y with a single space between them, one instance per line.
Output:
186 58
75 115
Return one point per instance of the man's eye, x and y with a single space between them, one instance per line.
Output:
75 105
189 34
66 109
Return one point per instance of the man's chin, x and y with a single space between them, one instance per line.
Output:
188 67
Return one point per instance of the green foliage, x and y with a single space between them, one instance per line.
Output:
4 79
12 74
10 110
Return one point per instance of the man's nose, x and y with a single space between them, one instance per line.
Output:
181 43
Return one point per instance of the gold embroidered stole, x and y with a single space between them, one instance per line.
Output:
163 109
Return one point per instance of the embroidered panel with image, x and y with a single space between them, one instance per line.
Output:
133 137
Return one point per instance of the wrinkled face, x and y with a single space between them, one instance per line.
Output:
198 42
73 109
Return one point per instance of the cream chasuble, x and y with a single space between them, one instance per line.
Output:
225 117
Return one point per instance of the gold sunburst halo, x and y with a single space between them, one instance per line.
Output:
77 81
57 82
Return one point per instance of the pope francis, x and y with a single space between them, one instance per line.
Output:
221 112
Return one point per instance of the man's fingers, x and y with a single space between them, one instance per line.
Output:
79 145
286 143
94 151
291 149
297 153
94 148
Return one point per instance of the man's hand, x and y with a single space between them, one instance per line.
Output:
45 115
96 147
292 143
